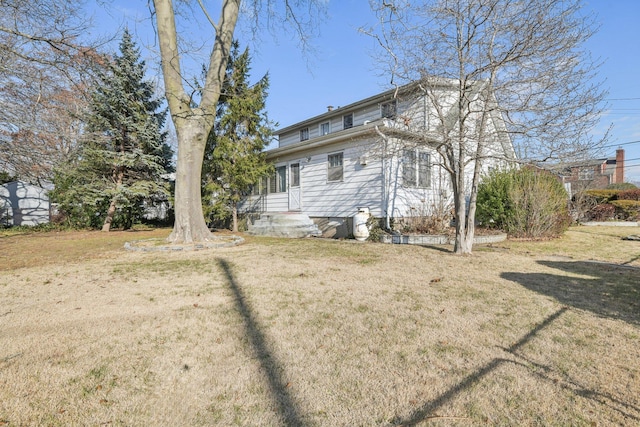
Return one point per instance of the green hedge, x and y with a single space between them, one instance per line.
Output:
627 210
527 203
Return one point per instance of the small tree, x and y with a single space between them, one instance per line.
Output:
120 161
234 157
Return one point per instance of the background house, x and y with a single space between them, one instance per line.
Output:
331 165
23 204
592 174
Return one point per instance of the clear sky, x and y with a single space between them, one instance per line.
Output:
342 70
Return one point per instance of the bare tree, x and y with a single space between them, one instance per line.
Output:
519 61
43 65
193 116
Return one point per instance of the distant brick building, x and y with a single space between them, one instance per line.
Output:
597 173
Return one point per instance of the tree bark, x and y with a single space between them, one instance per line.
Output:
106 226
189 225
234 215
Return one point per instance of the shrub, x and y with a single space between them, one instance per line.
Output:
603 196
633 194
621 186
602 212
627 210
525 203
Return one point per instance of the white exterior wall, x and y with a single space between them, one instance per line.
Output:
23 204
361 185
405 201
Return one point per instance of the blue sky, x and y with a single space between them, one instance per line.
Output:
342 70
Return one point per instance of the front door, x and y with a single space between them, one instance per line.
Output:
295 191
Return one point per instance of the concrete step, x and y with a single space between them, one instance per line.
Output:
284 224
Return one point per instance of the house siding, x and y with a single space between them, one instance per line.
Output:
361 185
23 204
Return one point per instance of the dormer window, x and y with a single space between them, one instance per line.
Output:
347 121
325 128
388 110
304 134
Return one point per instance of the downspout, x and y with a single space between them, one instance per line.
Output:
385 190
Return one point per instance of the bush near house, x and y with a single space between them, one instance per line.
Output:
525 203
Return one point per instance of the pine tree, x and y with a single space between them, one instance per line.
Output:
121 159
234 157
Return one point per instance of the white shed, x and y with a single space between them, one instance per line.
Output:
23 204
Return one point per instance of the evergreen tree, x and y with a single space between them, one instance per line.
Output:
122 157
234 157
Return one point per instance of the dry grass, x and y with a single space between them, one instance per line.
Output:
320 333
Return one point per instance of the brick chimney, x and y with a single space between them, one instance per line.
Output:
619 174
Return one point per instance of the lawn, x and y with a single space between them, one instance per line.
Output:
316 332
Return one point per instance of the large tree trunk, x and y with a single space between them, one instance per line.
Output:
189 225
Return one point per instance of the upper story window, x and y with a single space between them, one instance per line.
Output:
304 134
416 169
586 174
389 109
347 121
335 170
325 128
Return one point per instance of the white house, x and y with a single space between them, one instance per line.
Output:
355 156
23 204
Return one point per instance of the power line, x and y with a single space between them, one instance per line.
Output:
621 143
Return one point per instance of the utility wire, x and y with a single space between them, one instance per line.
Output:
621 143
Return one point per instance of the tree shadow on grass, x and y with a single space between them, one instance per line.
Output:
285 403
428 409
607 290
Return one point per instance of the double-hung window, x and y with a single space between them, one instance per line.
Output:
586 174
278 181
325 128
416 169
334 167
304 134
347 121
389 109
